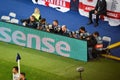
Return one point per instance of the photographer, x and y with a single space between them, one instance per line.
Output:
64 31
94 45
91 44
55 27
83 34
99 46
31 22
42 25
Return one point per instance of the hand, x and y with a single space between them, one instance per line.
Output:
24 23
87 38
95 12
47 30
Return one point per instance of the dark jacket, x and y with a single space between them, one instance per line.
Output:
54 29
30 24
101 7
63 33
92 42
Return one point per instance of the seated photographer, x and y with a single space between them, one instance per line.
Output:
63 31
98 47
55 27
97 37
31 22
83 34
42 24
91 44
94 45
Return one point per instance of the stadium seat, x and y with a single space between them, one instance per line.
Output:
12 14
15 21
5 18
106 43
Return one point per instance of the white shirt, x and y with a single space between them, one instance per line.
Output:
15 76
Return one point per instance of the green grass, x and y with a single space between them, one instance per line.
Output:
40 65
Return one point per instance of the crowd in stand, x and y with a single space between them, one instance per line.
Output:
37 22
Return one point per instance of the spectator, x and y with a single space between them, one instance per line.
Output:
37 14
83 34
31 22
55 26
22 76
64 31
15 73
100 9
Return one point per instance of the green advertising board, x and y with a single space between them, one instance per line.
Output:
44 41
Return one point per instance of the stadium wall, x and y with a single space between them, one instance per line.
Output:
44 41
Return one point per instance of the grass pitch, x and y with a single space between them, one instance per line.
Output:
40 65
